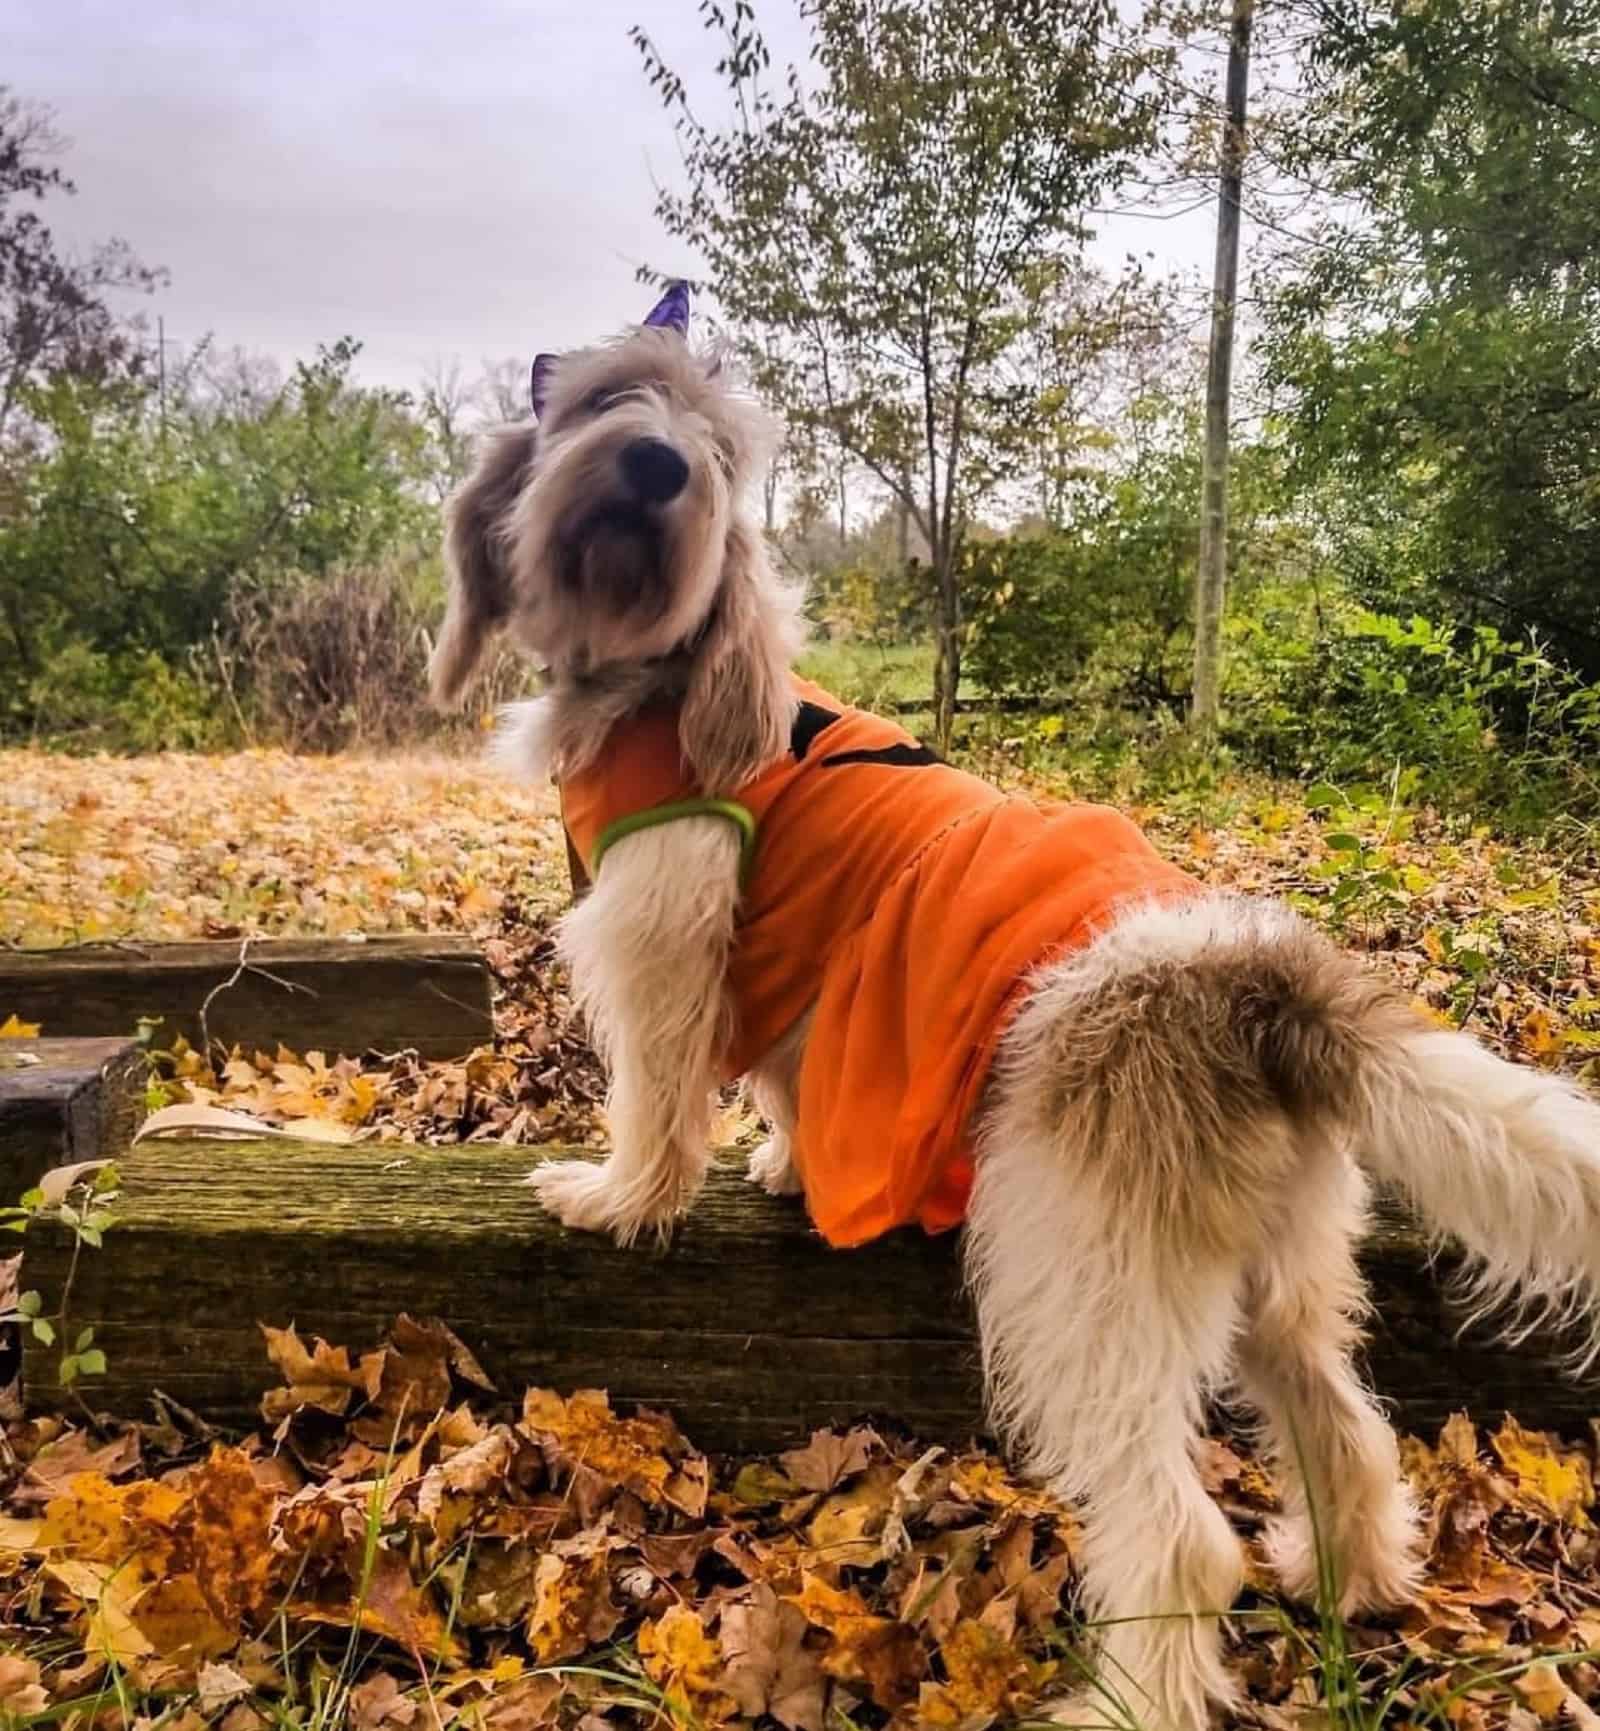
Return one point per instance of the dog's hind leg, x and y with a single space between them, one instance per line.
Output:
1101 1335
1348 1527
774 1086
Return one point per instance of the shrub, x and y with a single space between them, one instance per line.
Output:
338 661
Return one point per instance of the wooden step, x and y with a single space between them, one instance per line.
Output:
747 1328
312 994
62 1101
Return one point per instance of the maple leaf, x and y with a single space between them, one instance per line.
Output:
54 1467
1547 1479
863 1648
14 1028
323 1378
389 1602
378 1703
573 1608
684 1663
767 1667
228 1525
987 1678
645 1454
829 1459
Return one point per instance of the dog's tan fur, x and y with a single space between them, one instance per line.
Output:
1168 1195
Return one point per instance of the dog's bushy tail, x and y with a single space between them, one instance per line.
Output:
1504 1159
1501 1158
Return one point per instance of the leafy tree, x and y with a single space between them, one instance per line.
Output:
884 212
135 527
54 315
1436 339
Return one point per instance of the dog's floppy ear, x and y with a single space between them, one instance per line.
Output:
475 552
739 708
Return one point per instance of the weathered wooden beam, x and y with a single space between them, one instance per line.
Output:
313 994
747 1327
62 1101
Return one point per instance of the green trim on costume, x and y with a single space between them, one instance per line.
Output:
670 813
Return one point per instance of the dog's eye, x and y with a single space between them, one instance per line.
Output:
597 402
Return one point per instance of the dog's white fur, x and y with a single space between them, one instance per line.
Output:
1167 1197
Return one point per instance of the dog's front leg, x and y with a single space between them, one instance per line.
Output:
648 950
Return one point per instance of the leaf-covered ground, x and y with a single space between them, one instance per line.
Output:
1501 939
394 1549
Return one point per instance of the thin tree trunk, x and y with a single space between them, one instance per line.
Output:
947 668
1211 579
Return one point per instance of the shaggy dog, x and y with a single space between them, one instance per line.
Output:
1170 1138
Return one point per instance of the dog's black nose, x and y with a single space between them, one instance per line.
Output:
654 471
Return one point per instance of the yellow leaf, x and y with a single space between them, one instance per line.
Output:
848 1528
14 1028
1557 1485
572 1607
20 1535
1541 1687
685 1664
987 1677
1540 1034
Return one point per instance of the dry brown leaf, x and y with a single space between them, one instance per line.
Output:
54 1467
379 1703
767 1667
644 1454
21 1693
847 1529
230 1535
322 1377
829 1458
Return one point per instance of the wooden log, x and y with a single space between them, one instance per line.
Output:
747 1327
62 1101
313 994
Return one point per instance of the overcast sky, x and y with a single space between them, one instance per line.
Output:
466 179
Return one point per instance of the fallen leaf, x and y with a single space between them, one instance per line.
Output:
379 1703
1546 1478
573 1608
767 1667
829 1459
218 1685
323 1377
21 1693
684 1663
863 1648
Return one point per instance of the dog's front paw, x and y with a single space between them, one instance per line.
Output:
772 1168
586 1197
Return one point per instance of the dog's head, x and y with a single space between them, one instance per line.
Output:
600 532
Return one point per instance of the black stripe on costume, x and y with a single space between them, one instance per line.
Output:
903 756
811 720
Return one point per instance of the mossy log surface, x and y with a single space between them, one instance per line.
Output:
748 1328
313 994
62 1101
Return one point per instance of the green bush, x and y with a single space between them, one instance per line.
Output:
89 699
1466 715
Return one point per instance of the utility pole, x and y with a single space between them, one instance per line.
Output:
1211 578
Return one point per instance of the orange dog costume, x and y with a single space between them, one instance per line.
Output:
908 901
